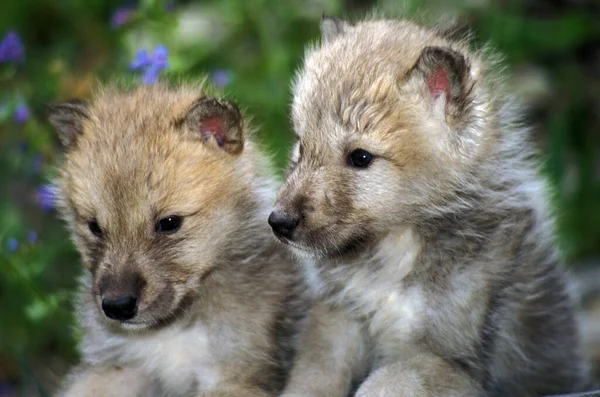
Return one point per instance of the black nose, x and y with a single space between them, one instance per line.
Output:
120 308
283 224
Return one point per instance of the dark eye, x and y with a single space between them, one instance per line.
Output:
360 158
170 224
95 228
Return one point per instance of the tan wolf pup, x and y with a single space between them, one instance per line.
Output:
186 292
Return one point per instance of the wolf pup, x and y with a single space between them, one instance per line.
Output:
415 202
187 293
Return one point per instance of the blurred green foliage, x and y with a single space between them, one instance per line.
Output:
249 49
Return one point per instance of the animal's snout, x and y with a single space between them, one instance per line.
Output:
121 294
120 308
283 223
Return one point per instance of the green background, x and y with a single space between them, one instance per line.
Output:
551 50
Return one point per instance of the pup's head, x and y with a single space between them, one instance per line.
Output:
389 117
157 188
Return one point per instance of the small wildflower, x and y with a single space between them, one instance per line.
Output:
13 244
11 48
151 65
160 57
141 61
46 197
151 75
32 237
121 16
221 78
21 113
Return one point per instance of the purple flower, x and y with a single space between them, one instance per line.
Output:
121 16
11 48
13 244
160 57
32 237
141 61
151 65
46 197
151 75
21 113
221 78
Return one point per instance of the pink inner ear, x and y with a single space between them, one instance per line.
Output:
213 126
438 83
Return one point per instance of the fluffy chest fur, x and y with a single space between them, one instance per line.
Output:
372 291
179 358
401 300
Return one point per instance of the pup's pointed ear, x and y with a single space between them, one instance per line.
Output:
67 118
217 123
332 27
442 74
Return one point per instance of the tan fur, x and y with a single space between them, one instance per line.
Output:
220 304
441 250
